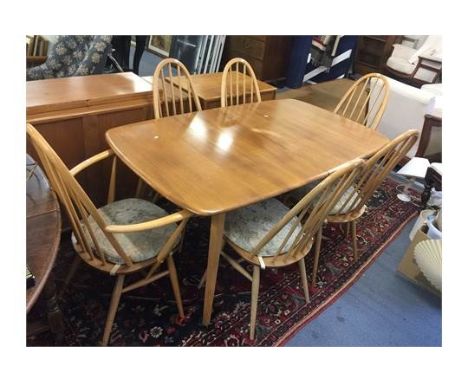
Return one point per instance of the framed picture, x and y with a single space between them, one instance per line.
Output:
160 45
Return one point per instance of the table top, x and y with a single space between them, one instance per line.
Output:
43 226
58 94
208 86
221 159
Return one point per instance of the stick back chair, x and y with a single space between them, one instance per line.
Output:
268 234
172 99
121 238
353 203
239 84
365 101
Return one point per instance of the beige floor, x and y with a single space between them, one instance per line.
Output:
325 94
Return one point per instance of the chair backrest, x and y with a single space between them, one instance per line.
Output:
172 99
376 170
73 56
311 211
365 101
239 84
78 205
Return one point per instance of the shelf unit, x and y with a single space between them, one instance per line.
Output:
372 53
268 55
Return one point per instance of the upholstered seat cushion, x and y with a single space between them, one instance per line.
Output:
139 246
400 65
435 89
247 226
299 193
353 197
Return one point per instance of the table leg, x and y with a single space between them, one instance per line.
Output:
53 321
54 314
216 242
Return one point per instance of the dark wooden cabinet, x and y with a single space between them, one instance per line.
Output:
372 53
268 55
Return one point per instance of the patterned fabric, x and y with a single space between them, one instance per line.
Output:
139 246
73 56
299 193
350 194
247 226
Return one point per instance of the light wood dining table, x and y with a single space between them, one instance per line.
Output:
218 160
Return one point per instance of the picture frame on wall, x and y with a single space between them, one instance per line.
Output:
160 45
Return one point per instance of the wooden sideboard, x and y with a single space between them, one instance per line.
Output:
268 55
74 113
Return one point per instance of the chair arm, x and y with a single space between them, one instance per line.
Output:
403 51
150 224
90 161
431 57
35 60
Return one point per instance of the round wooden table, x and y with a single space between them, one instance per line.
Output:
43 226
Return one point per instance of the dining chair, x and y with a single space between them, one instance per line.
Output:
239 84
171 99
353 203
124 237
268 234
365 101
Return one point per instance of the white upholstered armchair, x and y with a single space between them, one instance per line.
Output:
417 60
411 108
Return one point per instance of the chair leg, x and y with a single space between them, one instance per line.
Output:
302 269
175 285
139 189
143 188
355 249
113 308
202 280
155 197
318 242
347 230
181 242
254 301
71 272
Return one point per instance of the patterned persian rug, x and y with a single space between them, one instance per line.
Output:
148 316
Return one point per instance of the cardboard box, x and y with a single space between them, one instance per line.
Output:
408 267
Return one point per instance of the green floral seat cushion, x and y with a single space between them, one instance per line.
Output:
350 194
247 226
139 246
300 192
